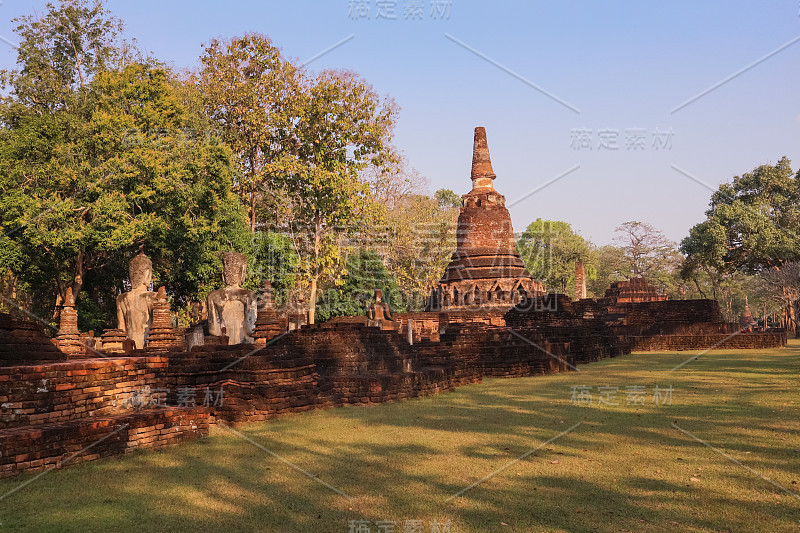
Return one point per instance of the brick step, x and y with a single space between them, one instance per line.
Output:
47 446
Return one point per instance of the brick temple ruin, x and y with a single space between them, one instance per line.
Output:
486 270
77 397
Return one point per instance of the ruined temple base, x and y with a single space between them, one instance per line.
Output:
49 446
57 412
718 341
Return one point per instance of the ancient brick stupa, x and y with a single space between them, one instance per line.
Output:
69 339
485 271
632 291
746 320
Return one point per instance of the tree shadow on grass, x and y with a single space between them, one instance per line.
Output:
547 503
226 483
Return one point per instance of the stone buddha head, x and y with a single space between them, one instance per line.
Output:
140 271
234 268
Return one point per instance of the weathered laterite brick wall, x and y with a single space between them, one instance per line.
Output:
744 341
23 342
474 351
672 317
33 448
579 325
687 325
62 391
57 412
425 325
328 366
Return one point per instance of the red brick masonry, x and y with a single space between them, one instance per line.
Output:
55 412
59 392
747 341
85 439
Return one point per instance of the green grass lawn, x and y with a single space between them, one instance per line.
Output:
625 467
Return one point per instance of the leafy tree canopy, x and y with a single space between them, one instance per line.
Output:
252 93
550 249
752 226
111 164
752 223
365 272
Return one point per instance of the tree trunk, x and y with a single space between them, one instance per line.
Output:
253 209
792 319
312 300
312 296
78 63
697 284
253 172
80 269
790 315
796 319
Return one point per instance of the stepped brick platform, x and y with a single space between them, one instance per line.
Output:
24 342
632 290
424 325
736 341
54 408
314 367
684 325
345 363
47 446
477 350
673 317
490 317
429 325
579 325
63 391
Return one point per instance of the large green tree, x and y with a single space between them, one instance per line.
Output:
109 166
252 93
275 260
364 272
342 127
752 226
59 53
550 249
421 239
705 263
752 223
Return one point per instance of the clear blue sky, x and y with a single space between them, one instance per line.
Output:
625 66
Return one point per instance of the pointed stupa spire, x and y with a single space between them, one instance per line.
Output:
69 299
746 319
68 321
482 173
